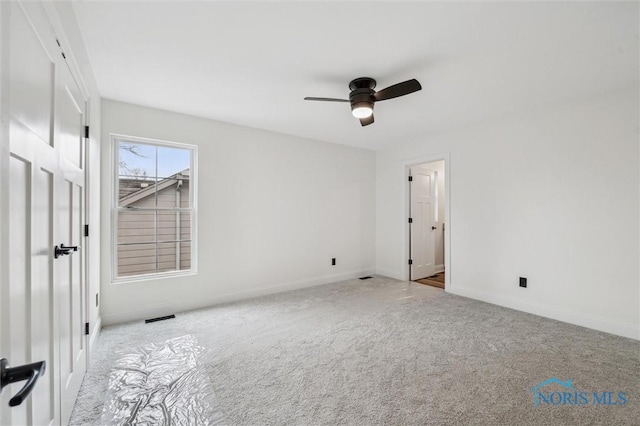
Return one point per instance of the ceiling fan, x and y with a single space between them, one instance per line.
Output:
362 96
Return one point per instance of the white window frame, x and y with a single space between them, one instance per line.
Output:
114 208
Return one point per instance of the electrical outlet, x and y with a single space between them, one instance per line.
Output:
333 261
523 282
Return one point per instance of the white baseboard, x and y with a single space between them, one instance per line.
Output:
631 331
187 305
95 335
439 268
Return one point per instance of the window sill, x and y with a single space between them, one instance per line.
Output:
152 277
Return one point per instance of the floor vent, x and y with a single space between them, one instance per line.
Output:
365 278
147 321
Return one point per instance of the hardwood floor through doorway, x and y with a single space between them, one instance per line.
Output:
436 280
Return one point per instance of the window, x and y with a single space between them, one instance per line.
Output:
154 208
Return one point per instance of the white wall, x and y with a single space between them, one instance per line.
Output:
69 34
272 212
551 195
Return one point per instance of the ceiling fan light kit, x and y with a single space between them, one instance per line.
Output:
361 109
363 97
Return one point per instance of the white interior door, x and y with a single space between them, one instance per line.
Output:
70 107
43 311
423 203
29 319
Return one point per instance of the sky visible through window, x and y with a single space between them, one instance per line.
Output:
142 160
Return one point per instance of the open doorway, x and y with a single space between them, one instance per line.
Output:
427 223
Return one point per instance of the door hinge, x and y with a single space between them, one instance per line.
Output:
86 230
410 220
410 178
410 261
86 328
86 132
61 52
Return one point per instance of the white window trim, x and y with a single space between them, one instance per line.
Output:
193 187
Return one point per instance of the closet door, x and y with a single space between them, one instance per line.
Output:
42 304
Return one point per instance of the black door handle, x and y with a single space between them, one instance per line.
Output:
433 228
28 372
63 250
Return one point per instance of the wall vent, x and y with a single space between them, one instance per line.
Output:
147 321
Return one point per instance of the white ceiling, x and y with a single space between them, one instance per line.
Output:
252 63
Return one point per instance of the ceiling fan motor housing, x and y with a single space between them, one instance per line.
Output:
362 92
362 83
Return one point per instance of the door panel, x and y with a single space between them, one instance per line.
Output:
63 265
20 321
77 275
422 232
32 76
71 118
43 344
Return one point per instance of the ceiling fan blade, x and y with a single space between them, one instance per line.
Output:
399 89
308 98
366 121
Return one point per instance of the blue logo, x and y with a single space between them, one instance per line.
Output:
569 395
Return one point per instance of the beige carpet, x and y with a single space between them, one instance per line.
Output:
385 352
